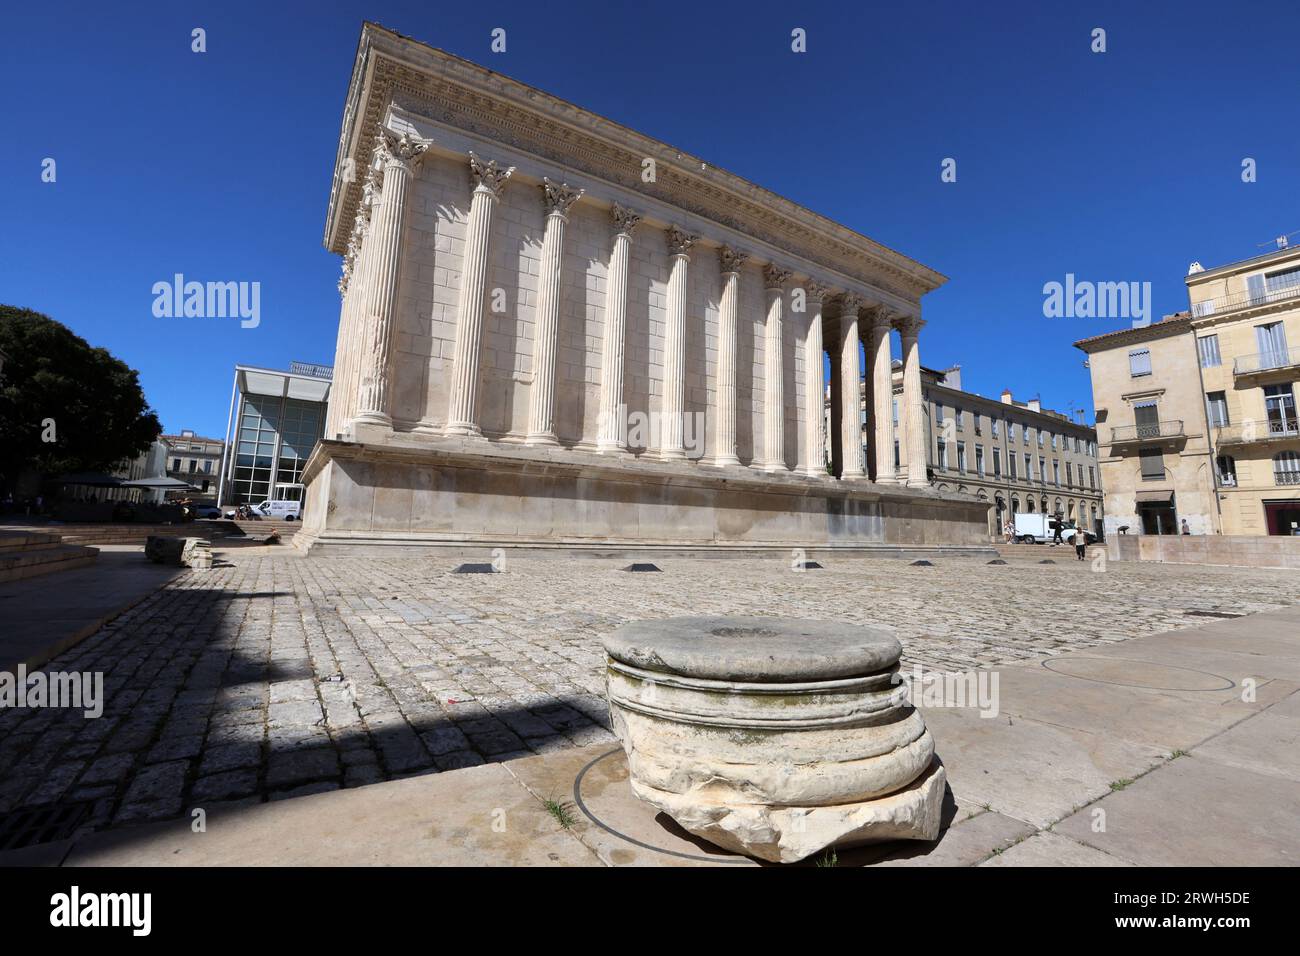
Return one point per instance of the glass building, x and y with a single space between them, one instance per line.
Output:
275 420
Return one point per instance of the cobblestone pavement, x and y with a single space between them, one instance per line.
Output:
277 675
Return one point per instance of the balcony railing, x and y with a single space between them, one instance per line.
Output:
1251 432
1287 477
1147 431
1266 362
311 369
1246 300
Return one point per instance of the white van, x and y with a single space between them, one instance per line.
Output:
287 510
1040 528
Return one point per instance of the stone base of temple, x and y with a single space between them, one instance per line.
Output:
412 491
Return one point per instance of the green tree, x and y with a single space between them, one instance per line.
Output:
53 383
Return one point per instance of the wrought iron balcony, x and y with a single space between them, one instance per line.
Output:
1287 477
1259 432
1246 300
1148 431
1279 360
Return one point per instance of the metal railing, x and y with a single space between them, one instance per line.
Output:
1287 477
1246 300
1265 361
1245 433
311 369
1173 428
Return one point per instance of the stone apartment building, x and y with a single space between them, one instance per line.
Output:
1016 455
195 459
1198 411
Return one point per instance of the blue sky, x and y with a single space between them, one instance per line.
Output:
1119 166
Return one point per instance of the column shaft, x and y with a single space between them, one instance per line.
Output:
912 412
882 374
850 391
814 443
673 408
399 155
462 408
774 371
724 449
541 403
612 438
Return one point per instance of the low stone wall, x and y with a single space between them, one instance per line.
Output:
457 492
1243 551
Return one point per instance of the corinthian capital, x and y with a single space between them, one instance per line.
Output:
403 149
489 174
908 325
625 220
815 291
731 260
679 241
774 277
850 303
559 196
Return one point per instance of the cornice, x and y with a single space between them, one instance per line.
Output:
394 69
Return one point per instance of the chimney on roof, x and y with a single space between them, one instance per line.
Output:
1035 405
952 377
1006 397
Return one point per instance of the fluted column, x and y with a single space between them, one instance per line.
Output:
850 388
673 408
399 156
774 280
462 410
882 388
912 414
541 403
611 438
814 442
724 429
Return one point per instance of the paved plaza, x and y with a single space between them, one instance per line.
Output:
276 675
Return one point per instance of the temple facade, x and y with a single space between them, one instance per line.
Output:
558 333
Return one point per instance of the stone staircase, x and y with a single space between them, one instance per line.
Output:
25 554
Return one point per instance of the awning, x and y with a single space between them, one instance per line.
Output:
1155 497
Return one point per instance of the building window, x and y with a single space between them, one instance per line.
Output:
1029 468
1040 438
979 460
1053 442
938 413
942 455
1011 464
1286 468
993 423
1271 339
894 406
1056 473
1092 480
1226 466
207 466
961 457
1216 406
997 462
897 461
956 414
1139 362
1011 431
1279 408
1042 470
1069 475
978 420
1153 464
1208 346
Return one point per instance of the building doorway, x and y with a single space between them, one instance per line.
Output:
1283 517
1158 517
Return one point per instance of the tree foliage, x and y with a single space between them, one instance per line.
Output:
53 383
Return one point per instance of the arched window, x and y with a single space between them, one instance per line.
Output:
1286 468
1015 503
1030 501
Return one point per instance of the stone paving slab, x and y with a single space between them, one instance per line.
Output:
475 817
276 675
1051 849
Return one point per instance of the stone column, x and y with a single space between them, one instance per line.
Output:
724 428
671 445
882 387
541 401
814 442
612 438
774 280
912 413
462 409
400 154
836 432
850 388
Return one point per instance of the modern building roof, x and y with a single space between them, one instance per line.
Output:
309 383
1174 324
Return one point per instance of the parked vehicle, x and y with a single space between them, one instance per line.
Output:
205 511
1039 528
288 510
